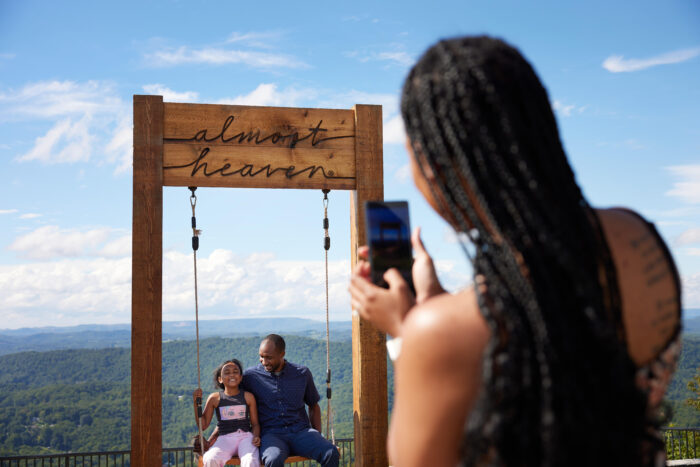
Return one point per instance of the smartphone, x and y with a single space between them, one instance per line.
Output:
389 240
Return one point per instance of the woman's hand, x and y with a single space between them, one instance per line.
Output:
384 308
425 279
256 441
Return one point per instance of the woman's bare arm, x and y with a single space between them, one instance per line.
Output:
437 378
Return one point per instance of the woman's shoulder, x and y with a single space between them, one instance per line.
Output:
647 280
447 324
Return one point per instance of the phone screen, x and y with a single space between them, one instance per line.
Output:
389 239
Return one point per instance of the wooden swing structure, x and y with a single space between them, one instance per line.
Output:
205 145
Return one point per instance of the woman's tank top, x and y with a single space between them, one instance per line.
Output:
651 299
232 413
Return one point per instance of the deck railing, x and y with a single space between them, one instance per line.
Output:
681 443
172 457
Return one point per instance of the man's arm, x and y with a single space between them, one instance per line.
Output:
311 398
315 417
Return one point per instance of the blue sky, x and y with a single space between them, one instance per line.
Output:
622 80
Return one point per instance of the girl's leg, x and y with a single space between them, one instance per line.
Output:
222 450
248 452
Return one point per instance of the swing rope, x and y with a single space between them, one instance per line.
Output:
326 247
195 247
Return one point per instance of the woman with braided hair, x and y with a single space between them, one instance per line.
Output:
561 352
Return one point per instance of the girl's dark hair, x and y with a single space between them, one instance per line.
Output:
558 385
217 372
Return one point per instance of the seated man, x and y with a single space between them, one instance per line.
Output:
282 389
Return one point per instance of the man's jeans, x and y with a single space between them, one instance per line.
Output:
276 447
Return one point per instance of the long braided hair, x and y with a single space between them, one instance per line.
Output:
558 385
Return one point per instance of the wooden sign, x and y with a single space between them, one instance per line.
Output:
258 147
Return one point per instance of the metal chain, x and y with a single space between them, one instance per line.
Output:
195 247
326 247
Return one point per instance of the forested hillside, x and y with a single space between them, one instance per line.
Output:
97 336
683 415
79 400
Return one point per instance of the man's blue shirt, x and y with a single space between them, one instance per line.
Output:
282 397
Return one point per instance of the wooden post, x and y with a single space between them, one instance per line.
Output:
369 371
146 282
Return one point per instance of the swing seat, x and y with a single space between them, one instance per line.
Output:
235 460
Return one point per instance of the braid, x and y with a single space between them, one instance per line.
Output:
556 369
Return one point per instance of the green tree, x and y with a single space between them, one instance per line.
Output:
694 387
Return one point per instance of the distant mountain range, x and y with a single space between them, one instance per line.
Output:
94 336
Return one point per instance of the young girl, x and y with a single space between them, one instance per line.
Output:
237 415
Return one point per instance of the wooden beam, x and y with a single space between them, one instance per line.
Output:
260 126
146 282
218 165
369 370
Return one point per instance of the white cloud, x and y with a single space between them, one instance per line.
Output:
8 211
84 118
86 291
392 57
98 290
119 148
268 94
169 95
30 215
51 99
689 237
50 241
676 212
262 40
691 291
450 236
663 223
66 141
618 64
566 110
345 100
400 58
259 284
688 188
219 56
117 248
629 143
394 131
633 144
403 174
